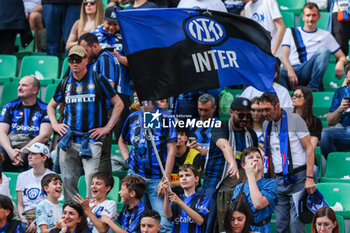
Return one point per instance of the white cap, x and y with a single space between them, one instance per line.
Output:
37 148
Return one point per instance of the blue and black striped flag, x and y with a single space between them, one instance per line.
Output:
174 51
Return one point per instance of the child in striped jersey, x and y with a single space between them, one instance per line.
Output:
131 192
189 211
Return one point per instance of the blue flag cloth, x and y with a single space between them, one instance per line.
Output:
174 51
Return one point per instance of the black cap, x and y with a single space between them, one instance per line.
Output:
110 14
241 104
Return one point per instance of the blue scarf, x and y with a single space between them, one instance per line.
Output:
287 163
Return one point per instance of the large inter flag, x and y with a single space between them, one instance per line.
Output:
174 51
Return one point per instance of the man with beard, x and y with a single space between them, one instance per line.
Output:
289 158
223 163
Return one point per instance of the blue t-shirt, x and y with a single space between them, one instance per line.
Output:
339 95
24 119
129 219
183 223
268 189
142 158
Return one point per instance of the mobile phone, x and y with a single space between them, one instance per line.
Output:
347 98
192 139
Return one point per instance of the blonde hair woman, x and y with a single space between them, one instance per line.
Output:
91 15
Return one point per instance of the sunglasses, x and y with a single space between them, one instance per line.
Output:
242 115
297 95
91 3
77 60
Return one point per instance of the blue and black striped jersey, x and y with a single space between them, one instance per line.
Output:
183 223
24 119
142 158
13 226
108 65
129 219
83 110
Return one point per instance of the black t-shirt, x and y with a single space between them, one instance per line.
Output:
315 128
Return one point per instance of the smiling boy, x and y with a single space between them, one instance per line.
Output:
49 211
189 211
101 184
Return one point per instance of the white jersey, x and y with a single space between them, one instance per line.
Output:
264 12
47 213
30 187
310 43
216 5
4 186
282 94
107 207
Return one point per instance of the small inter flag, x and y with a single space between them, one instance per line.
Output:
174 51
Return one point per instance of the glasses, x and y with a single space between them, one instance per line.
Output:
297 95
91 3
75 60
242 115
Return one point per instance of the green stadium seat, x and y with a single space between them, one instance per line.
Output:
336 192
340 221
318 161
288 19
24 51
46 66
322 23
322 103
49 92
338 167
65 66
112 195
224 112
330 82
8 66
9 93
294 6
12 184
120 206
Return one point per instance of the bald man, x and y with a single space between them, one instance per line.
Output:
23 122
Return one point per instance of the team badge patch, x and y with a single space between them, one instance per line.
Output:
91 86
79 89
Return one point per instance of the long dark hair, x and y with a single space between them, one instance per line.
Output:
6 203
307 113
83 223
325 212
239 206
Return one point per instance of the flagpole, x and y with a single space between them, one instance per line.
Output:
154 147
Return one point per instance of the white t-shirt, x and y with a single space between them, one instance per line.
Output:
297 130
31 4
216 5
107 207
264 12
47 213
4 187
313 41
30 186
282 94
